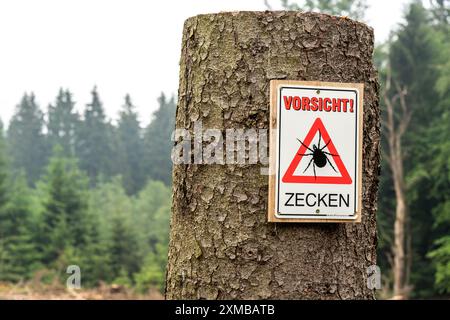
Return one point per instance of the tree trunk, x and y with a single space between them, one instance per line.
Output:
222 246
400 265
396 122
399 245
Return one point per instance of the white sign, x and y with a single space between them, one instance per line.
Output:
316 152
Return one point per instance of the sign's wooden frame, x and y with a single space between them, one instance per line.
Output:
274 85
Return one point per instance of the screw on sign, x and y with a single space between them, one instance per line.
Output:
316 152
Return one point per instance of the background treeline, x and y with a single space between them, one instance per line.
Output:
414 198
78 189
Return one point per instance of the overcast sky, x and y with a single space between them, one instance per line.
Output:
122 46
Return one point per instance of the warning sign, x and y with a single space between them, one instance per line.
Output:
315 152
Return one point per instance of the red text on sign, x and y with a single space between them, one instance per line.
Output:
318 104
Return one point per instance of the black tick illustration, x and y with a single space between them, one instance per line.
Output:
319 156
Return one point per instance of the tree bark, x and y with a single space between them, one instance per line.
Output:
222 246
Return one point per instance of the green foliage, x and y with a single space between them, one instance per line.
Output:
417 53
123 278
26 140
106 227
124 247
413 57
64 220
440 10
95 259
130 148
135 228
63 122
152 275
17 250
3 170
95 146
351 8
18 257
440 170
441 259
158 145
152 214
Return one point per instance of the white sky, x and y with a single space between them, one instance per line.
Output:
119 45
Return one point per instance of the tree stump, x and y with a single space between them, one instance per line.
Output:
221 245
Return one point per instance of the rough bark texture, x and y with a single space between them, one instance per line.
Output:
222 246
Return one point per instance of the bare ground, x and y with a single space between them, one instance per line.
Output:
30 291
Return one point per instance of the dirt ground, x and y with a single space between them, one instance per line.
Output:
30 291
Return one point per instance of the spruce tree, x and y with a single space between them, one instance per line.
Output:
26 139
17 250
157 140
131 148
3 169
4 255
439 144
151 218
18 257
63 122
124 248
414 60
94 254
413 57
113 210
64 222
95 142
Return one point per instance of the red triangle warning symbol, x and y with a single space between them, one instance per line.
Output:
344 177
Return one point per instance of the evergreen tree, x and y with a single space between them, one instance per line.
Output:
4 255
95 259
26 138
152 273
124 248
63 122
3 169
110 203
151 217
18 253
131 148
64 222
441 11
157 140
95 142
414 57
439 194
